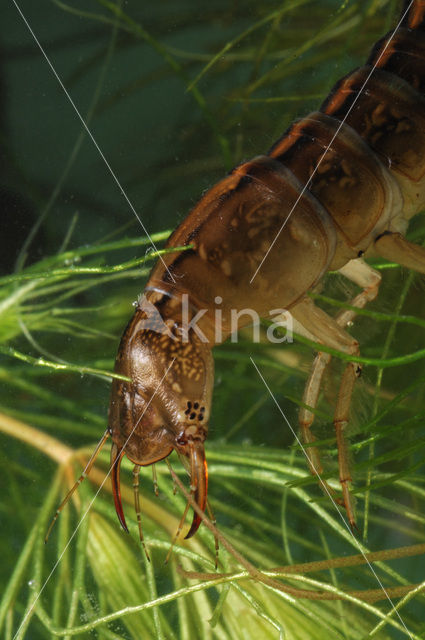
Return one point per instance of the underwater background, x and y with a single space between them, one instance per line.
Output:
175 93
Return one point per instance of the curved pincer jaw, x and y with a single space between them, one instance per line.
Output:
198 481
116 457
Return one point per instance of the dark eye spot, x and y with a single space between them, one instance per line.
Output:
201 417
189 404
202 409
192 416
187 412
196 405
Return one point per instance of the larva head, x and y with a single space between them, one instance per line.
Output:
166 405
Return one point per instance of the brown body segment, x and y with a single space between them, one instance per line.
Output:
403 56
341 182
415 14
344 175
230 230
390 118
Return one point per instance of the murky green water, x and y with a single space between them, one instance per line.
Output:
129 72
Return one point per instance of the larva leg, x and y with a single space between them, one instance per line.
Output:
183 518
363 275
306 416
394 247
155 480
213 520
136 472
369 279
82 477
178 532
351 372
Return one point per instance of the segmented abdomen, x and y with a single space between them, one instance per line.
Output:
334 181
383 102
